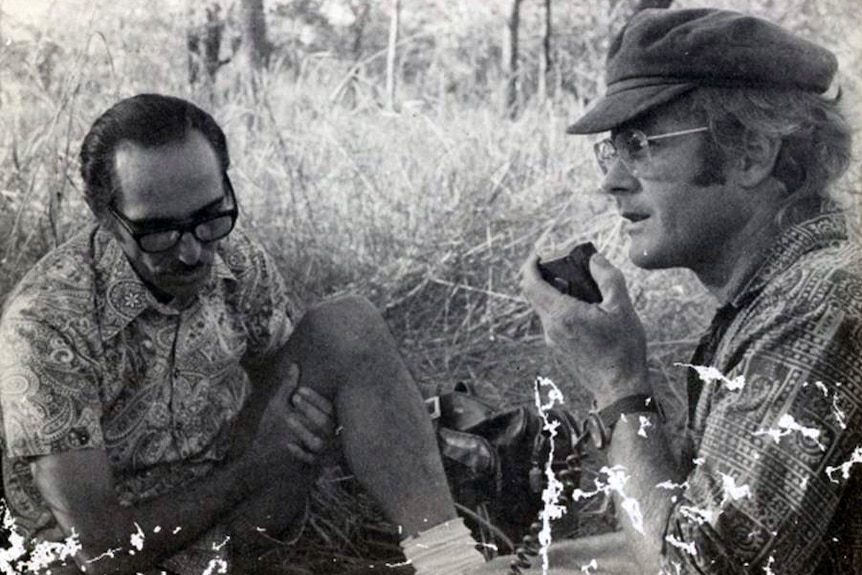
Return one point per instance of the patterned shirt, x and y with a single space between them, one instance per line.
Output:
772 487
90 359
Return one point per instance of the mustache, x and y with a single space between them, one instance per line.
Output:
183 269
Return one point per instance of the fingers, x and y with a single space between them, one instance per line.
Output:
304 443
292 377
567 318
307 398
546 298
301 454
541 294
611 282
299 419
311 422
288 386
316 411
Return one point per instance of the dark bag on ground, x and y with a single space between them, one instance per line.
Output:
495 461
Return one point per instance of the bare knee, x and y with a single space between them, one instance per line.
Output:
349 324
339 335
350 315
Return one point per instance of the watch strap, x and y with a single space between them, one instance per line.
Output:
641 403
604 420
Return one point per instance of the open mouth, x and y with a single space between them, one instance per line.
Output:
633 217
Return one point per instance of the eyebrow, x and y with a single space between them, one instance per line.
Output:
166 222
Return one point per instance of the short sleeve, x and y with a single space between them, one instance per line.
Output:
263 301
49 389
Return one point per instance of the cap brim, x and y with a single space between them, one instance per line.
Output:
617 108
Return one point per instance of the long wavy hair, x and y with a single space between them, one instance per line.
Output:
816 141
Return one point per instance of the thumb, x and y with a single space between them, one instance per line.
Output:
292 380
288 384
611 282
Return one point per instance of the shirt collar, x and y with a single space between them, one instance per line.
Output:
791 244
120 293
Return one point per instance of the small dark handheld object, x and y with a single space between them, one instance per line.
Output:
571 274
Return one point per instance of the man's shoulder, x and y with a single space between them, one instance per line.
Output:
830 275
811 308
61 283
244 255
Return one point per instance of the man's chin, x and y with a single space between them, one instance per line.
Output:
644 258
182 287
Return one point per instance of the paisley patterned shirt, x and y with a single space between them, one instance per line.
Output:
774 485
90 359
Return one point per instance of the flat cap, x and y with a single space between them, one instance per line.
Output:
661 54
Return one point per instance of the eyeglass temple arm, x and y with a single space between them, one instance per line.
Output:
679 133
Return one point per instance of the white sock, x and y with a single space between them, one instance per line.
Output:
445 549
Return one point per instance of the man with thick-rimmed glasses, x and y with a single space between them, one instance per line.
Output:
723 150
157 399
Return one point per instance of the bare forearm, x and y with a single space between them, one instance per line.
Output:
117 539
160 528
648 462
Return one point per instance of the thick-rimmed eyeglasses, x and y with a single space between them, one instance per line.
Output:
155 238
633 148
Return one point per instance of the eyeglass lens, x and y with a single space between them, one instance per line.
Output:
631 146
206 231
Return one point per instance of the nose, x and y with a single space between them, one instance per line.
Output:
619 180
189 249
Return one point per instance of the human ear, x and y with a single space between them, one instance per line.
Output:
756 163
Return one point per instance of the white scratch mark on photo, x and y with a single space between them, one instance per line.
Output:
709 374
732 491
645 423
687 547
788 425
697 514
671 486
137 538
844 468
551 494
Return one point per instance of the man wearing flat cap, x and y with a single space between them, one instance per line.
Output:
722 152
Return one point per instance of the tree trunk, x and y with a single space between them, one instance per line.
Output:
361 14
255 46
392 53
546 63
203 47
510 56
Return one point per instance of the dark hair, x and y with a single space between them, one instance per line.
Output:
148 120
815 139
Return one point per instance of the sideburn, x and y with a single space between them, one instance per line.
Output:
712 165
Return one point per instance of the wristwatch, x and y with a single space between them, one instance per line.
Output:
600 423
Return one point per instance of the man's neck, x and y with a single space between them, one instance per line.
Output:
740 258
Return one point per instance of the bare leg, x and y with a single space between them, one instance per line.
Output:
272 518
275 513
346 353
